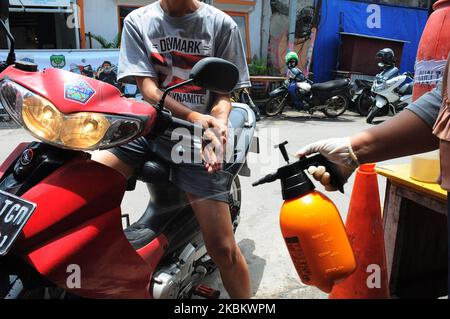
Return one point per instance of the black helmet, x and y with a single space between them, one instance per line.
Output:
386 57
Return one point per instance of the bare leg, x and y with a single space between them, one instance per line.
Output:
109 159
217 230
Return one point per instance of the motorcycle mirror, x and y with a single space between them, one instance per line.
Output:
216 75
4 9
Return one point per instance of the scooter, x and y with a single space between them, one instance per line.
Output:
332 97
362 96
392 91
61 231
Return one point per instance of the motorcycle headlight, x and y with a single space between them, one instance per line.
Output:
79 131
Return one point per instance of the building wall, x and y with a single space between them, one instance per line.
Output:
255 28
278 33
101 18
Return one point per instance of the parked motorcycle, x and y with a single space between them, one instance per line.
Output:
332 97
362 97
392 91
61 228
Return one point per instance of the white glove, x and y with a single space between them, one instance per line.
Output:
338 151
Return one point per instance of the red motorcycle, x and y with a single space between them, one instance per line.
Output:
61 228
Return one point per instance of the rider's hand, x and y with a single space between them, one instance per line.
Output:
215 139
338 151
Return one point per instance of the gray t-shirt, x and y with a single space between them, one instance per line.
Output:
157 45
427 107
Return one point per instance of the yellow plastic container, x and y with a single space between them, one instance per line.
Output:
316 239
426 167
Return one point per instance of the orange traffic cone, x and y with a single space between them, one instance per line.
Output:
365 231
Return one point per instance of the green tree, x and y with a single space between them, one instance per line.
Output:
114 44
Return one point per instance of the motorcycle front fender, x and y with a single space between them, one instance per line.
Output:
277 92
380 101
407 99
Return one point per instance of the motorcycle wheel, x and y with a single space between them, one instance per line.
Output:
275 105
235 202
372 114
336 106
364 103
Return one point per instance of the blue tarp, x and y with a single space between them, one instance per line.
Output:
399 23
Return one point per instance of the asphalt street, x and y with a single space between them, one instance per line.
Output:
259 235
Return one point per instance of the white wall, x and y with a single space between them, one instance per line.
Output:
101 18
255 29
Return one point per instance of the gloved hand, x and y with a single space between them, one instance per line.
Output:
338 151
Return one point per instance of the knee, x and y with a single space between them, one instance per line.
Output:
224 254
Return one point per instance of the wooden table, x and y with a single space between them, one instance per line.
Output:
268 83
264 78
415 235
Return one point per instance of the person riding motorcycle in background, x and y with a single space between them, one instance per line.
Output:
107 74
423 126
292 61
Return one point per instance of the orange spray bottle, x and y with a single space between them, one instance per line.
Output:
311 225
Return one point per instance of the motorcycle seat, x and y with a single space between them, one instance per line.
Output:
167 204
363 83
331 85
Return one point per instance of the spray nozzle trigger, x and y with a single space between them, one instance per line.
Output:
283 150
303 164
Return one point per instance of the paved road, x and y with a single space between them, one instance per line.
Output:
258 235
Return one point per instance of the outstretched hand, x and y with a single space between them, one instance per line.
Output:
336 150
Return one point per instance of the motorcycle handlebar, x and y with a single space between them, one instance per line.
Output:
179 123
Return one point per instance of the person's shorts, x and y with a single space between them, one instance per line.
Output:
186 172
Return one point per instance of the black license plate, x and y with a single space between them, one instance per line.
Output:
14 214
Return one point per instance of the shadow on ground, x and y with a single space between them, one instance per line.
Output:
256 264
296 117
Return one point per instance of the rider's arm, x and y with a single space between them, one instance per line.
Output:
222 108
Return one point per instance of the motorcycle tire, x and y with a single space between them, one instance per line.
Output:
372 114
364 103
336 106
274 106
235 201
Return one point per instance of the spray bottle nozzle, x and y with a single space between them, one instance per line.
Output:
267 179
304 163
